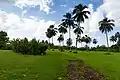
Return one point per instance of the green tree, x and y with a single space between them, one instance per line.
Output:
106 25
78 31
62 29
69 23
87 40
4 39
79 15
51 32
95 41
113 39
60 39
117 35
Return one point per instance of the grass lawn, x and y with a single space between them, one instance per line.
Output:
49 67
108 65
23 67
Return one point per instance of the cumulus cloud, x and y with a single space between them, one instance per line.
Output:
24 27
43 4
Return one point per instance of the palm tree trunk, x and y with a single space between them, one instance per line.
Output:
52 40
76 43
69 37
63 38
49 40
107 40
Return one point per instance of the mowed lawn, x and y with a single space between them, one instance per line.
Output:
49 67
23 67
108 65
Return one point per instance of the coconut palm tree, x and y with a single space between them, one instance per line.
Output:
69 23
52 31
106 25
78 31
48 34
117 35
60 39
69 42
95 41
87 40
62 29
79 15
113 39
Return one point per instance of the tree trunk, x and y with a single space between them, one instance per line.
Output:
52 40
107 40
64 39
69 36
49 40
76 43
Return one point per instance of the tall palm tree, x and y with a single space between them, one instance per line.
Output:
79 15
62 29
113 39
117 35
60 39
106 25
69 23
48 34
95 41
52 31
78 31
87 40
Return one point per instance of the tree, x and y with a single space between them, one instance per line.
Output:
62 29
48 34
95 41
52 31
3 39
113 39
78 31
117 35
106 25
87 40
60 39
69 23
69 42
80 14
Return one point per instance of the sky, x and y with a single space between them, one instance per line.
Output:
31 18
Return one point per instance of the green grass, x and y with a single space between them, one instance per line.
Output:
108 65
23 67
49 67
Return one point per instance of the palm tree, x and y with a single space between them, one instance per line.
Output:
62 29
78 31
95 41
113 39
52 31
60 39
117 35
106 25
69 23
69 42
48 34
87 40
79 15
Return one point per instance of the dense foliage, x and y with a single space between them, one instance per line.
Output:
33 47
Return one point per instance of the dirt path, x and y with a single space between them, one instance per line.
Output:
76 70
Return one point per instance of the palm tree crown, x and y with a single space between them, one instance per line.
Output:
80 14
106 25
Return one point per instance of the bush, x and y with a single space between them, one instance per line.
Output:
32 47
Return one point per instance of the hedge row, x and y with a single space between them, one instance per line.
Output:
33 47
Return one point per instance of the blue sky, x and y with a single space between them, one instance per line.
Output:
24 18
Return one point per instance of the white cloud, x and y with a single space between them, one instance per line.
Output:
43 4
20 27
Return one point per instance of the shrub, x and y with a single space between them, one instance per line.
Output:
33 47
